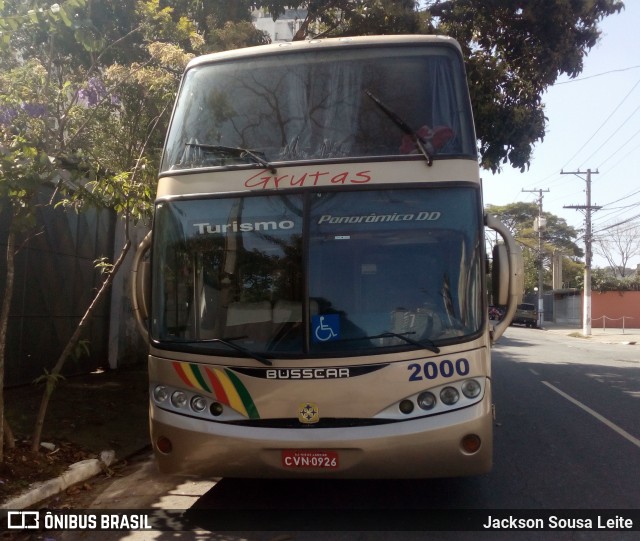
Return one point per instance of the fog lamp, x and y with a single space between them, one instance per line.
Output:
164 445
471 443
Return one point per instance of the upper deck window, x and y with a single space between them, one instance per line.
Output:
321 104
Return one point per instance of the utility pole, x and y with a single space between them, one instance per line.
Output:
539 226
586 302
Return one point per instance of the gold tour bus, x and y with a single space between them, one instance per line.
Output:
315 294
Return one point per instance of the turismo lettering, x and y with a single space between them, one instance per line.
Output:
235 227
265 180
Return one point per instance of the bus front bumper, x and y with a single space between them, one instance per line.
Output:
418 448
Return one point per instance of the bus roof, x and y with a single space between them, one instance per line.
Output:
290 46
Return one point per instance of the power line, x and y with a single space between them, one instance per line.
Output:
622 199
620 147
602 125
619 223
578 79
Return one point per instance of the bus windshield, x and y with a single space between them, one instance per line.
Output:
321 104
367 271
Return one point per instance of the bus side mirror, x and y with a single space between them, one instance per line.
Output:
507 275
141 284
500 275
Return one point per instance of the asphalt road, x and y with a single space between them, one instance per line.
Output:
567 436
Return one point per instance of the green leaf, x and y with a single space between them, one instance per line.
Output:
33 15
89 38
65 17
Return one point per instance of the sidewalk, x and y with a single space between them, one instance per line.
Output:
104 413
598 334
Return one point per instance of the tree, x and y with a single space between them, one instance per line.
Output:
618 244
28 96
514 52
22 166
94 83
89 128
558 236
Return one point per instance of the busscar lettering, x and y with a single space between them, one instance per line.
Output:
308 373
265 180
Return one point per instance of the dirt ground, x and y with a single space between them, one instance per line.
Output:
87 414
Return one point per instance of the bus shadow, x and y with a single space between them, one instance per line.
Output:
334 504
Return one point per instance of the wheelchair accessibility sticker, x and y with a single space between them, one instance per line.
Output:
326 327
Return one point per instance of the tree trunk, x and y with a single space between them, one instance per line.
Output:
4 324
37 431
9 439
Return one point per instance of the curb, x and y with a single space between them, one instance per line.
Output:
624 340
76 473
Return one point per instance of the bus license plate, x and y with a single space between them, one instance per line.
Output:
309 459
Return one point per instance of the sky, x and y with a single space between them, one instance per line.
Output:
593 123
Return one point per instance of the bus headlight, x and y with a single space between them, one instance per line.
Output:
426 401
179 399
198 403
449 395
471 388
160 393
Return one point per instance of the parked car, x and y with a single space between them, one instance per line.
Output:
526 314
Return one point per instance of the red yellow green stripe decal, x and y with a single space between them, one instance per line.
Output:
224 384
244 395
218 389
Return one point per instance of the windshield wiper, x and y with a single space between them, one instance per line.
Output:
430 346
237 151
227 342
388 334
398 121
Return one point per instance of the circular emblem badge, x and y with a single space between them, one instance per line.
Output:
308 413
